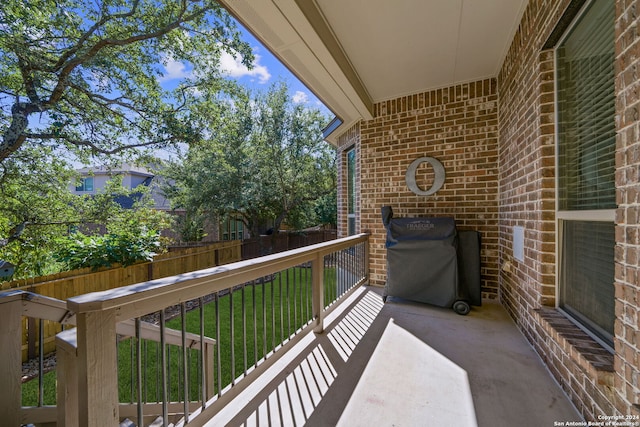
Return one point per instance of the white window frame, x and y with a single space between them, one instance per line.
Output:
83 185
596 215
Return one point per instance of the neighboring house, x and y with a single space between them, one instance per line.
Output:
533 109
6 269
94 179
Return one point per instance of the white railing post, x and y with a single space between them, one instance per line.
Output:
317 295
208 357
97 369
11 365
367 260
67 378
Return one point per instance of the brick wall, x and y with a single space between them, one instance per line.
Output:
599 383
496 140
457 126
527 164
627 328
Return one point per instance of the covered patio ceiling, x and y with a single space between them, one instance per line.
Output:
355 53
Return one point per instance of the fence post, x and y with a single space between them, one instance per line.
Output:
97 368
11 366
317 293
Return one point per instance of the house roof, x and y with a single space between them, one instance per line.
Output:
122 169
355 53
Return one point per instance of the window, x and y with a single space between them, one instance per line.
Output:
351 192
232 229
586 168
85 184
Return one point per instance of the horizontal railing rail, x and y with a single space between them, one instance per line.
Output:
255 310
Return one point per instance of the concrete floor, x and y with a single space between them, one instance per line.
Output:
406 364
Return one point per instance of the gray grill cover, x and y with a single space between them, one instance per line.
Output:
422 262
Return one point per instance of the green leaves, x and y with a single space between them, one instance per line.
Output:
90 71
80 251
37 208
263 158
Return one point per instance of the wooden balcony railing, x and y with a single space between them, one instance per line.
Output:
178 349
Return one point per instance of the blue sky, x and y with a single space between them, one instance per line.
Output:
267 69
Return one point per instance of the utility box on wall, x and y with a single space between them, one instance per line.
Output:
6 269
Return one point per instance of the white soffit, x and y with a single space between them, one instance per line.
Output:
403 47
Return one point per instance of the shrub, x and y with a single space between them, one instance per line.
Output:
79 250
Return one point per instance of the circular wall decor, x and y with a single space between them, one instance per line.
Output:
438 180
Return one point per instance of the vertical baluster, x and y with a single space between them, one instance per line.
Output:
203 378
169 375
232 339
218 356
301 291
296 280
303 294
326 290
308 291
185 372
139 372
178 387
339 278
281 307
146 373
360 261
158 373
343 270
325 277
255 325
41 362
244 330
357 260
264 318
353 271
163 365
361 258
287 282
273 313
132 373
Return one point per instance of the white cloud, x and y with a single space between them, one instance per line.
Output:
233 67
300 97
175 70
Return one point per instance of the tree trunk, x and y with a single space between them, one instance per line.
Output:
14 136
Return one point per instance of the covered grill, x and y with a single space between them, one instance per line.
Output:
426 262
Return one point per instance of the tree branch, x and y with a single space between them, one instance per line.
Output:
95 148
71 64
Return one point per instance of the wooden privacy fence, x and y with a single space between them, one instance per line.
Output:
68 284
283 241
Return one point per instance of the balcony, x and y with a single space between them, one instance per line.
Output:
289 339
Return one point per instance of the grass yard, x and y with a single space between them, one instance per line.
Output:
273 310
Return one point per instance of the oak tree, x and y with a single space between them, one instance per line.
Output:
263 160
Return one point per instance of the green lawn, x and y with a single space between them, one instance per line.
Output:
289 293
